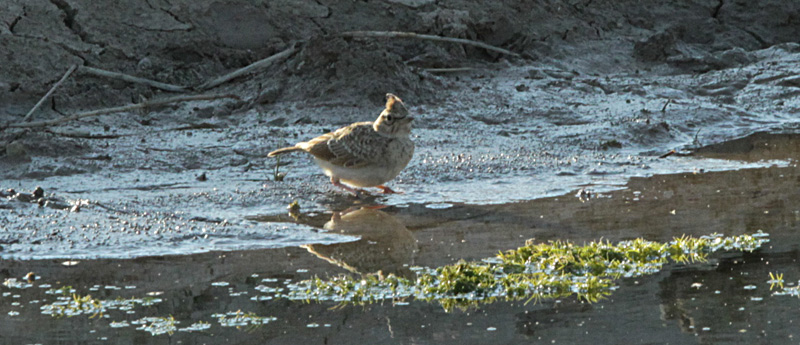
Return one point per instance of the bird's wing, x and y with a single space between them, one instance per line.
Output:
350 146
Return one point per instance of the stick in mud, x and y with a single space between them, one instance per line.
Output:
664 109
129 78
400 34
449 70
49 93
104 111
263 63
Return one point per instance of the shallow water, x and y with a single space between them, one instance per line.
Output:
727 300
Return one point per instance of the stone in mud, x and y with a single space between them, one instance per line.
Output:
205 112
67 170
38 192
278 122
412 3
235 162
17 153
657 47
536 74
145 64
268 96
611 144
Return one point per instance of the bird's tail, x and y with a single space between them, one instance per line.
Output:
284 150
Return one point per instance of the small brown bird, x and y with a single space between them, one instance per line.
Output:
364 154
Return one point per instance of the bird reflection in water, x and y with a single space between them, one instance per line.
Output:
385 245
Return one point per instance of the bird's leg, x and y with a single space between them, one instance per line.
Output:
387 190
336 183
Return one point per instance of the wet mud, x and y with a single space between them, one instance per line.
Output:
725 300
584 106
617 120
195 183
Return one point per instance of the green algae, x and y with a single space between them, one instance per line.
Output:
69 306
241 320
555 269
777 287
157 325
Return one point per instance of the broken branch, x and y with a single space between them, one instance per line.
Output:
120 109
664 108
398 34
129 78
263 63
49 93
448 70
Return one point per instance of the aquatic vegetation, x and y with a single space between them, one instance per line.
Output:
239 319
87 305
14 283
196 327
777 284
277 175
775 279
294 210
555 269
64 290
157 325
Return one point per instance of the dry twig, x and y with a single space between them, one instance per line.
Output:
398 34
176 99
129 78
47 95
448 70
248 69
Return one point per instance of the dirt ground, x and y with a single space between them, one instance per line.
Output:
600 90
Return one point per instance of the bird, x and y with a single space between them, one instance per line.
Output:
364 154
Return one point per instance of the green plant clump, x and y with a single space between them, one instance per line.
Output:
555 269
87 305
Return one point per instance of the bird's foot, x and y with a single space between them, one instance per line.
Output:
357 192
387 190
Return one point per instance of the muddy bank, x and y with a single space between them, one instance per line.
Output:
177 175
618 120
600 91
726 300
188 42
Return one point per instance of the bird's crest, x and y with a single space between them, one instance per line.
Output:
395 105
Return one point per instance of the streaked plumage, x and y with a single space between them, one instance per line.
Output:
364 154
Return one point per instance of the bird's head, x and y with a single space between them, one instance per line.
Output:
394 120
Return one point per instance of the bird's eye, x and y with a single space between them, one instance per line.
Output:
389 118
